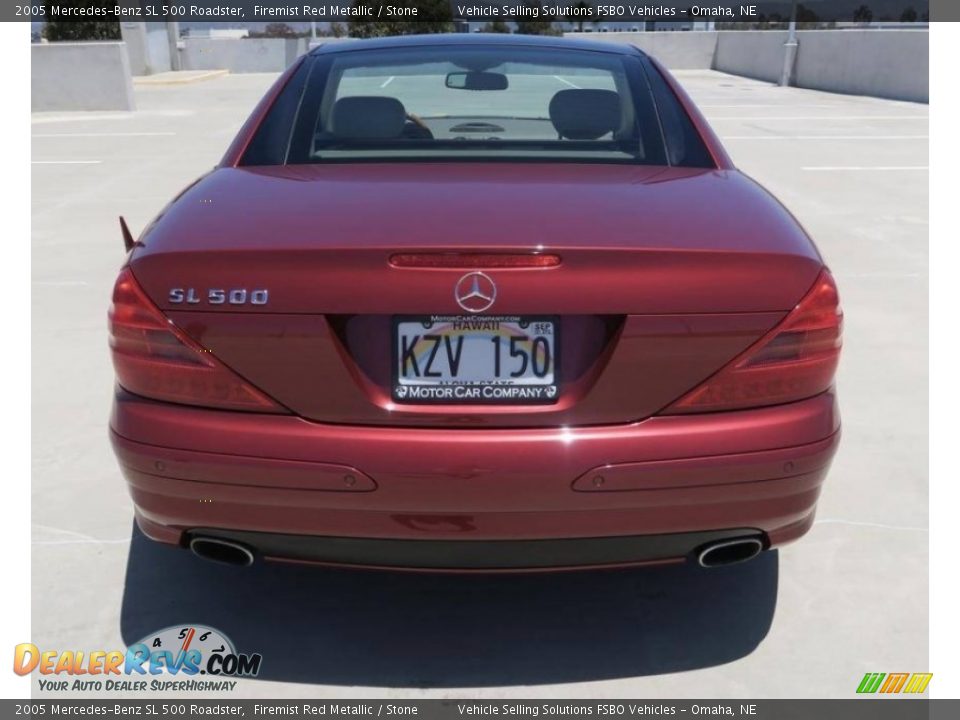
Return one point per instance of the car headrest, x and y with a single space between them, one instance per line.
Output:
368 117
585 114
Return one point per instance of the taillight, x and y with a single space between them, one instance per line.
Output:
154 358
795 360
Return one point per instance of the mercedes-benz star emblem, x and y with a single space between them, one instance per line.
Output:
475 292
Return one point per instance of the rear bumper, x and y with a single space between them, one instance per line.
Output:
473 555
287 479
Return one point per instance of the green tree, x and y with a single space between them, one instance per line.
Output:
497 26
74 30
862 14
806 15
908 15
807 19
542 25
433 16
337 30
276 30
579 13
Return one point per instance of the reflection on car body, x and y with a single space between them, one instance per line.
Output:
475 303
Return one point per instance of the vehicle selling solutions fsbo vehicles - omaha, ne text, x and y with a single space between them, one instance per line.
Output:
475 303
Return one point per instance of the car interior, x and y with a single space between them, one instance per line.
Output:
575 114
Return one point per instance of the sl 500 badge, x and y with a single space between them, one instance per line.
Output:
218 296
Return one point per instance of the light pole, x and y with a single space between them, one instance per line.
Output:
790 50
173 42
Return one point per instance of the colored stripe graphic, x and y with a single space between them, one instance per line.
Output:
918 683
894 682
870 682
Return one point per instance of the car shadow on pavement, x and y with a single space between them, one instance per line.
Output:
396 629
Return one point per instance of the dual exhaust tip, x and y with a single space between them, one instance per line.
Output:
729 552
716 554
225 552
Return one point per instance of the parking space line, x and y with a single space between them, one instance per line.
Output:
826 137
81 117
858 118
76 538
879 275
93 541
858 168
879 526
103 134
563 80
46 119
388 81
65 162
785 107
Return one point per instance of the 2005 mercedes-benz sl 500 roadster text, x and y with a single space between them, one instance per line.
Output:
475 303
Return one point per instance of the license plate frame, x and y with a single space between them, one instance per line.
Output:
474 393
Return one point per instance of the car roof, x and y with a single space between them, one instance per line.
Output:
475 39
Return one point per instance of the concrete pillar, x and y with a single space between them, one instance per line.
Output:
790 51
787 77
173 44
147 46
134 35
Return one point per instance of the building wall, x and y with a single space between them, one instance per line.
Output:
676 50
883 63
756 54
80 76
247 55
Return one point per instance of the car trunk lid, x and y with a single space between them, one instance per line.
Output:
664 276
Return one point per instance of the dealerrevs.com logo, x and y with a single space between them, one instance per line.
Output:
170 660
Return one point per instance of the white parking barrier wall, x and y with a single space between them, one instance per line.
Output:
80 76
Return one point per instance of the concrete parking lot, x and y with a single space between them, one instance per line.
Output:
806 621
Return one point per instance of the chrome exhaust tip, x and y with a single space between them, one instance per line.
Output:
225 552
729 552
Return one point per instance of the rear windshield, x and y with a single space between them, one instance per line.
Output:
462 103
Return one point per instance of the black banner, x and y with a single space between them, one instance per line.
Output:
874 709
866 13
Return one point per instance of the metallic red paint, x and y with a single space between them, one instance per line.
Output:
755 468
633 239
665 276
336 370
697 287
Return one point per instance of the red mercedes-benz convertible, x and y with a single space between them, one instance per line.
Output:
475 303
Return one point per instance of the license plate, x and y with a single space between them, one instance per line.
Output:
463 359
